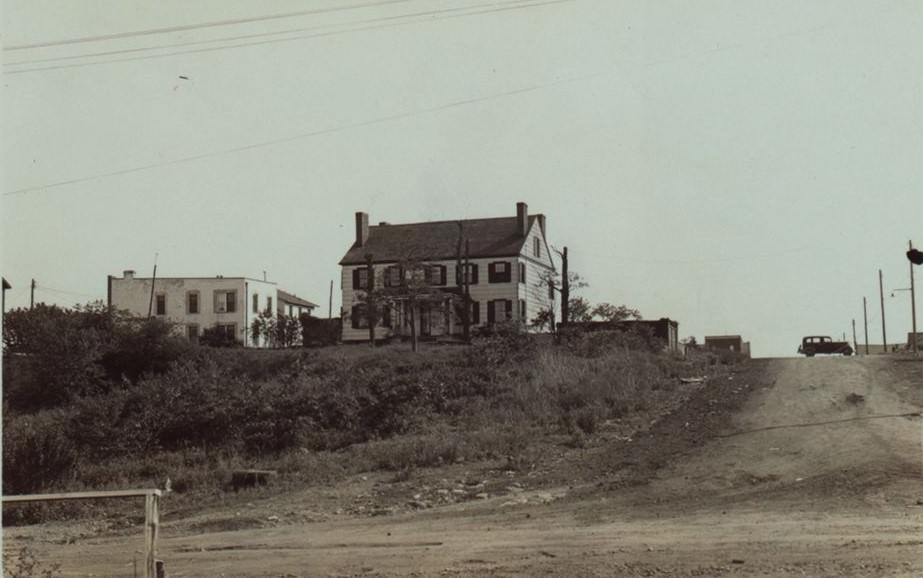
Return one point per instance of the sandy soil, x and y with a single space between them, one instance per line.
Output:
805 467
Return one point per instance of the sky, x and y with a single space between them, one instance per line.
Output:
741 167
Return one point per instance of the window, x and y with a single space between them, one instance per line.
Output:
359 317
522 309
393 276
537 246
225 301
192 332
227 330
361 278
522 273
499 310
471 277
269 305
434 274
499 272
256 303
160 304
192 303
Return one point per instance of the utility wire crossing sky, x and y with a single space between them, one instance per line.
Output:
740 167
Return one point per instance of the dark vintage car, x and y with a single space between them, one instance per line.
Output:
814 344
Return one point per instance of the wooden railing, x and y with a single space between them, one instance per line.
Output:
151 515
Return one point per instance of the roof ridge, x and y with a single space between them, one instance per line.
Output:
387 224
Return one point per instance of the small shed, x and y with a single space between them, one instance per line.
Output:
734 343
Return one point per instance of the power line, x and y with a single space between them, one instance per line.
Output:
747 257
331 130
447 13
187 27
62 292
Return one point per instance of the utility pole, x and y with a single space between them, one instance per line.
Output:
881 295
330 302
150 305
866 321
913 303
466 329
32 295
565 289
855 343
371 307
6 286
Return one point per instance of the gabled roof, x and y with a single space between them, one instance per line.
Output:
292 299
438 240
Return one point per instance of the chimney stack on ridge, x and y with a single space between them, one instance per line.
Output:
362 228
522 219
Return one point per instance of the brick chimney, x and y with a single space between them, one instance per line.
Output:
128 274
522 219
362 228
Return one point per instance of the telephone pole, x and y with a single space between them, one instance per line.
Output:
881 295
865 320
565 289
913 303
855 342
32 295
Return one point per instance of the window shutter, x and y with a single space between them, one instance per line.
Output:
491 314
475 313
474 274
492 273
356 279
509 309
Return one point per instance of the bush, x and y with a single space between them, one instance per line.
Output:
24 564
142 347
37 454
62 354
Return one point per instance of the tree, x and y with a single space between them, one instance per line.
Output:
288 330
579 310
553 281
263 328
61 353
58 353
412 292
614 313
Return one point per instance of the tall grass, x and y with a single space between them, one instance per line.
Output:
317 416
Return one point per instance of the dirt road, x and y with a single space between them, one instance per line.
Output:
814 471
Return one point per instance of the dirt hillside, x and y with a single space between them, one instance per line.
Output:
786 467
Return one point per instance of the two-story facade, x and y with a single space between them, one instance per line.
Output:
501 262
193 304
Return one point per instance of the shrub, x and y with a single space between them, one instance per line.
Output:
37 454
25 564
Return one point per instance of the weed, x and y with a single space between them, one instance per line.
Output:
25 564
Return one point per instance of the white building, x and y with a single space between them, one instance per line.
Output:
228 304
508 258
